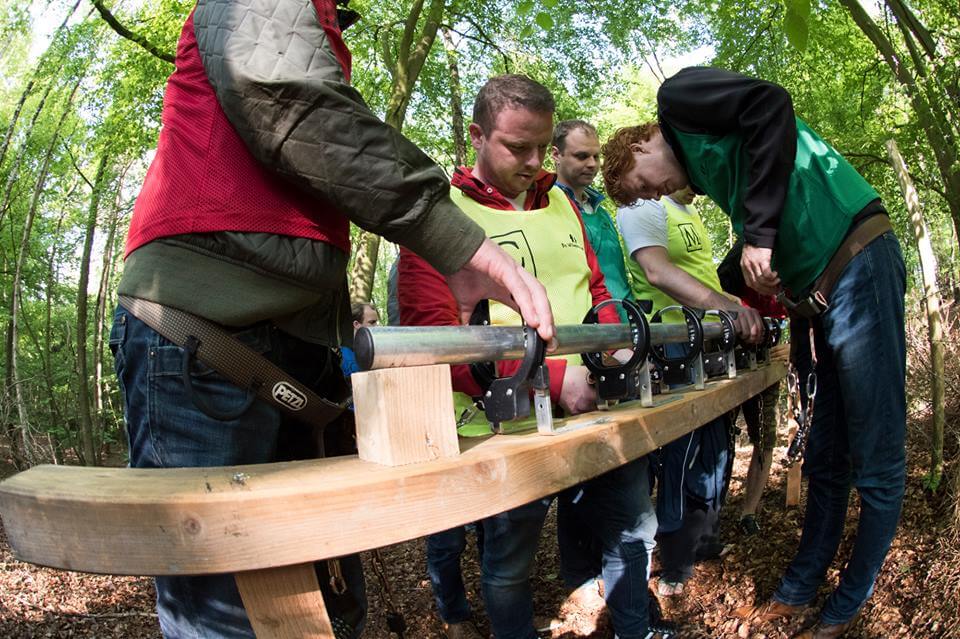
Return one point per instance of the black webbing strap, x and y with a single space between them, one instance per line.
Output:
240 364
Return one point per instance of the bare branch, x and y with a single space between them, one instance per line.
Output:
124 32
483 39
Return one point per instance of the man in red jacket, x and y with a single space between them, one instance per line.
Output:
265 156
517 204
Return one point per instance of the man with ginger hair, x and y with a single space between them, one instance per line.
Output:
815 232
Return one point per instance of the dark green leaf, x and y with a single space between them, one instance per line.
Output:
544 20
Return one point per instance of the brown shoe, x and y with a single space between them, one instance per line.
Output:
462 630
826 631
767 611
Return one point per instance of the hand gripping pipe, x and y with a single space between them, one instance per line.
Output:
395 346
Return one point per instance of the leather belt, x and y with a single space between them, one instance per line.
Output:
818 300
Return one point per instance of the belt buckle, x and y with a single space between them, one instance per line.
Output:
810 306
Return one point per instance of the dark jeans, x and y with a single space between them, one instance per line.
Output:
609 523
166 430
857 436
510 542
444 550
678 549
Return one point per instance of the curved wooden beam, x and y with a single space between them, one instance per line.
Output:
230 519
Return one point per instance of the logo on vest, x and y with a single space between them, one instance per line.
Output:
289 396
690 237
516 245
572 244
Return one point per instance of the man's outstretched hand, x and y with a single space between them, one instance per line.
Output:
492 274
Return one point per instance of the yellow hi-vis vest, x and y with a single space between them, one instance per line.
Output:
689 248
548 243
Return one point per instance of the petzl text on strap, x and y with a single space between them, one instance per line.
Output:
241 365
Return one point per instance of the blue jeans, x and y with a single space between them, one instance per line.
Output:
444 550
510 542
858 430
166 430
609 523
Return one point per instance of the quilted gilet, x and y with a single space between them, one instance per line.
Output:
203 178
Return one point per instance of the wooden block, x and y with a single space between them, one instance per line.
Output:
405 415
793 474
285 603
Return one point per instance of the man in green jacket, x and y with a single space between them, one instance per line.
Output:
795 200
576 155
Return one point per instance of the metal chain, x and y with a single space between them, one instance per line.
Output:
395 621
805 419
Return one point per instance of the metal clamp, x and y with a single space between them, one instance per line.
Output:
508 398
675 368
619 382
722 362
808 307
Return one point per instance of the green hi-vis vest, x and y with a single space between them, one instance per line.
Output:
824 195
548 243
688 248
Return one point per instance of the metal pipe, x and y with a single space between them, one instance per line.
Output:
395 346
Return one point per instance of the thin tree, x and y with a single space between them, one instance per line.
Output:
931 301
103 295
404 58
90 452
456 99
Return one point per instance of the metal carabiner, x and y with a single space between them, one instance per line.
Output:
811 385
793 381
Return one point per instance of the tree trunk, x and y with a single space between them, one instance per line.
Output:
26 92
90 450
103 304
46 347
13 121
405 70
456 101
124 32
931 297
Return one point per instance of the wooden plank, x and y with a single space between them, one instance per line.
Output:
285 603
405 415
793 474
209 520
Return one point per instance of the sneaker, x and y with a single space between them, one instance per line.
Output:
749 525
661 629
462 630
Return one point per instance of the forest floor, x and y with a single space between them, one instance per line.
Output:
916 594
